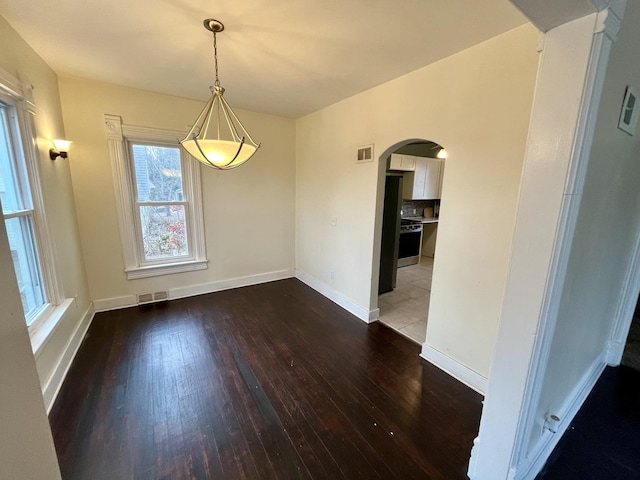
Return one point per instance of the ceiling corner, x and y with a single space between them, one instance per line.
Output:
548 14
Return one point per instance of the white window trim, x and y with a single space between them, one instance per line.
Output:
118 136
20 93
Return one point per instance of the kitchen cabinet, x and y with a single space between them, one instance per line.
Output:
404 163
425 182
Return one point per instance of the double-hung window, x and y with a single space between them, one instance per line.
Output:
22 206
18 212
160 206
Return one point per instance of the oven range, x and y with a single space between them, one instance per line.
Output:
409 242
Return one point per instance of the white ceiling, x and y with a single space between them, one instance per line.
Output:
281 57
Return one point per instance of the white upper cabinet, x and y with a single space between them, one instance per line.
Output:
404 163
425 182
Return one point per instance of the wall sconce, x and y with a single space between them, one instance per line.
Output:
61 149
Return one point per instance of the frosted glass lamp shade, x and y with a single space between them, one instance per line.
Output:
62 145
222 154
217 138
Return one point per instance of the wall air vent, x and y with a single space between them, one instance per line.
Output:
145 298
365 154
164 295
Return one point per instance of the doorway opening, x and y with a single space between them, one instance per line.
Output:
631 354
413 172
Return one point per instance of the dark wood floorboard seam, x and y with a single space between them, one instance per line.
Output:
272 381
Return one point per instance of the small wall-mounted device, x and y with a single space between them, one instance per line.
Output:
551 422
365 154
629 113
61 149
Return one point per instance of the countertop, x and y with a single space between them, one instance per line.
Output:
423 219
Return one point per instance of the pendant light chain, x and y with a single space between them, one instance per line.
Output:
229 144
215 56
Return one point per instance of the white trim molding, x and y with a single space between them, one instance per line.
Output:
157 270
126 301
10 85
535 461
228 284
18 93
603 36
114 303
568 91
625 308
364 314
53 384
118 135
460 372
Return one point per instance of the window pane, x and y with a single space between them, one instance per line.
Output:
164 231
9 188
25 262
158 173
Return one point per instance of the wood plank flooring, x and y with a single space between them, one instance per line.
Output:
271 381
602 442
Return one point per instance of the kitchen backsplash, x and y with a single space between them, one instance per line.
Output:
415 208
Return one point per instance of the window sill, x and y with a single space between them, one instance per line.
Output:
165 269
45 325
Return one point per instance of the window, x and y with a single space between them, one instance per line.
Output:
160 204
17 209
22 206
160 208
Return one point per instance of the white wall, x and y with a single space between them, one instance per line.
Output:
477 105
26 446
248 212
20 60
549 342
602 248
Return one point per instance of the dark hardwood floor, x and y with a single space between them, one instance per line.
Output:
268 381
603 441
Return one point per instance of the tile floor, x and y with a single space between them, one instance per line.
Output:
406 308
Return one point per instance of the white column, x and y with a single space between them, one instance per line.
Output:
572 68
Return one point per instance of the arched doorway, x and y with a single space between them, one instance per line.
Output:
410 185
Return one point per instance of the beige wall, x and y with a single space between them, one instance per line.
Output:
20 60
248 212
605 235
26 447
477 105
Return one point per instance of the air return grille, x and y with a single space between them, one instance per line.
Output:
365 154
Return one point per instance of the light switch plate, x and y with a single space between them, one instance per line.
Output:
629 113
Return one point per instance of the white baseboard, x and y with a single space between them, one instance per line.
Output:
534 462
364 314
115 303
53 384
615 349
454 368
220 285
106 304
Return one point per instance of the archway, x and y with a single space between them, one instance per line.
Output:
407 211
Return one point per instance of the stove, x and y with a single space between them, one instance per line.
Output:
410 225
410 242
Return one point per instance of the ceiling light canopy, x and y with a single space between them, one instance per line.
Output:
218 139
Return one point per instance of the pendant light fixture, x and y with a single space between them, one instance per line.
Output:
218 139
